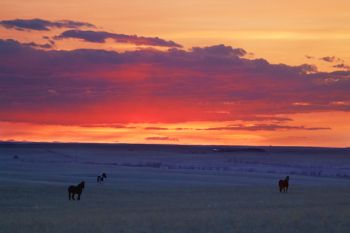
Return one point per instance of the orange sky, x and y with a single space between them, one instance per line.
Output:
279 31
292 33
188 133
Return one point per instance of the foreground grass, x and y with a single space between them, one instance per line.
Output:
35 207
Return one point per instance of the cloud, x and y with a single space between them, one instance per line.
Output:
309 57
252 127
49 40
40 46
42 25
265 127
149 86
161 139
331 59
155 128
101 37
328 59
115 126
342 66
181 128
218 51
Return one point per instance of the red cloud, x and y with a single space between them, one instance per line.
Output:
103 87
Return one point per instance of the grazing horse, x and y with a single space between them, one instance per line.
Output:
101 178
76 189
283 184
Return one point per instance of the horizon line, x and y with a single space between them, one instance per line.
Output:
166 144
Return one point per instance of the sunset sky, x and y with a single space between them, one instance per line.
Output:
185 72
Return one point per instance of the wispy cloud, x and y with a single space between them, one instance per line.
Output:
161 139
41 46
342 66
265 127
331 59
102 36
42 25
115 126
155 128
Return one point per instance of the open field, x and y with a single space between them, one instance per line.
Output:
173 189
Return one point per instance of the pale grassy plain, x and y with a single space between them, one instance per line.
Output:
144 199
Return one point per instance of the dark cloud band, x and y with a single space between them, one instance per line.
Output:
42 25
215 83
101 37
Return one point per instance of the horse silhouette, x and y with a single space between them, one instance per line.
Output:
283 184
76 189
101 178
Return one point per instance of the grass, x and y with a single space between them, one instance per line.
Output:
33 207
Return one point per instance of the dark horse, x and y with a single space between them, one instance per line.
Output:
283 184
76 189
101 178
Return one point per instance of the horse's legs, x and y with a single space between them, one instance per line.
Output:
78 196
73 194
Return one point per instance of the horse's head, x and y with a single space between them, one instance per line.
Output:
104 175
82 184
